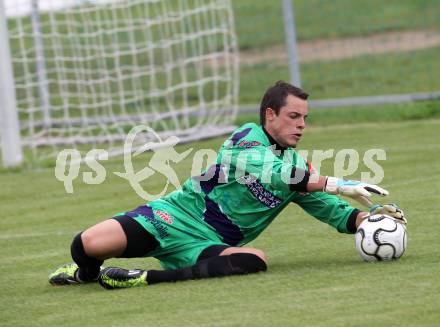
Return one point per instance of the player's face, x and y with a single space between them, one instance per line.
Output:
287 127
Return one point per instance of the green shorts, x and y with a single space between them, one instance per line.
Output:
181 236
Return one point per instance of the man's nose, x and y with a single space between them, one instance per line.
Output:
301 123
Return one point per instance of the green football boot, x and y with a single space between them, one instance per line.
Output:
64 275
67 275
112 278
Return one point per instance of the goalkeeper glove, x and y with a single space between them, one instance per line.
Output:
356 190
390 210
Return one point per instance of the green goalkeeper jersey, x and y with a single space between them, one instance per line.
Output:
248 186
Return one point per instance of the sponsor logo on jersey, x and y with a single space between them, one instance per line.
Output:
165 216
260 193
248 144
146 212
160 228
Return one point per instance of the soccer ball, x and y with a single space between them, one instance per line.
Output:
380 238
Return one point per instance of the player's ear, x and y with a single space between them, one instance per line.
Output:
270 114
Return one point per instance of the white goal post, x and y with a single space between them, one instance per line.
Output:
86 71
9 126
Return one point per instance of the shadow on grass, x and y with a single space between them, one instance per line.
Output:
318 263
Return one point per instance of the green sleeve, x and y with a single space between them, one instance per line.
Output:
263 164
327 208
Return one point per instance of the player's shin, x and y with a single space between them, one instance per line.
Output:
85 269
218 266
89 267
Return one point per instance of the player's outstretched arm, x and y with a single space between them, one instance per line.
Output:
358 191
361 192
303 180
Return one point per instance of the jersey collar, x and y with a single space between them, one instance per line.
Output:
272 141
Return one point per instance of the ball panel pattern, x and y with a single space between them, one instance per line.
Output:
380 238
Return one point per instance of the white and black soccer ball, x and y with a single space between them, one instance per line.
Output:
380 238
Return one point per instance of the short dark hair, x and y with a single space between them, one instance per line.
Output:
275 98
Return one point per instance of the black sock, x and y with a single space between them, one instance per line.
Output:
89 267
233 264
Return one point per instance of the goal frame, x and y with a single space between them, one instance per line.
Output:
209 116
12 152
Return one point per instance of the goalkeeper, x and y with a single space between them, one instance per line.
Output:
201 230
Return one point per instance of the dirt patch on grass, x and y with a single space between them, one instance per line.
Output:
336 49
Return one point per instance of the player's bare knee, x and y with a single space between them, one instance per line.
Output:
98 246
104 240
89 242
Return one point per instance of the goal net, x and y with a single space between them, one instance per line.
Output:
87 71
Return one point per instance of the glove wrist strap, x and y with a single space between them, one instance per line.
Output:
331 185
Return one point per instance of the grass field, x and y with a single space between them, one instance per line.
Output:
315 276
363 75
369 74
337 18
366 75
